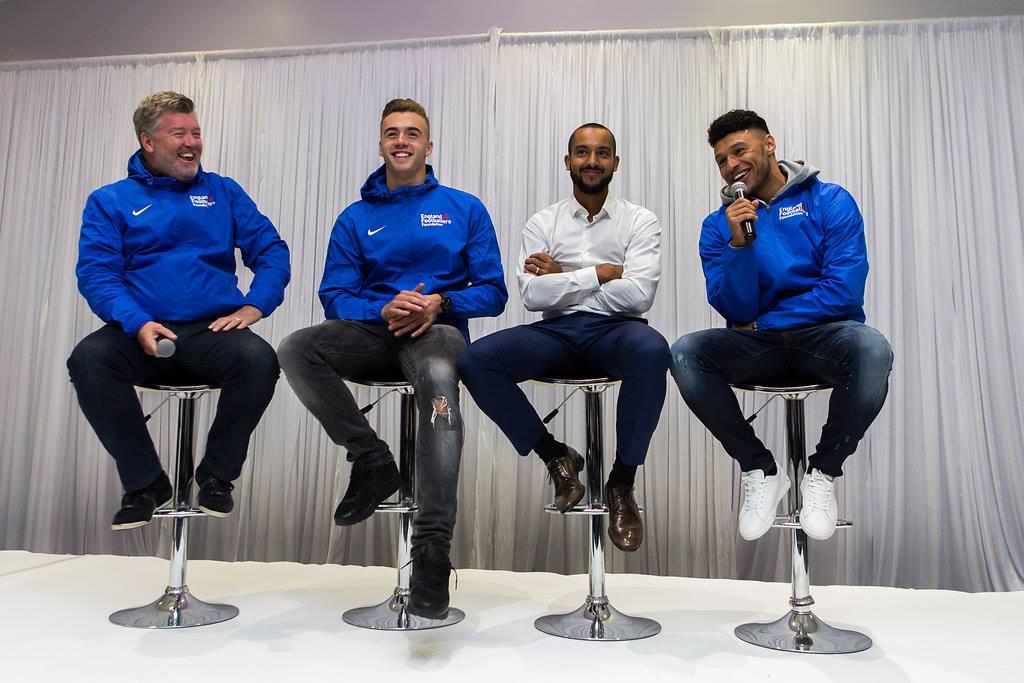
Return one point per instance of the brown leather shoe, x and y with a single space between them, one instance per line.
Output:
565 475
625 525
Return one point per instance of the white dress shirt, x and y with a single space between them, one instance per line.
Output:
621 234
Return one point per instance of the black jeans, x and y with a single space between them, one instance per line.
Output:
317 360
854 358
107 364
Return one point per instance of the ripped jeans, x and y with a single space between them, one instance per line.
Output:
317 360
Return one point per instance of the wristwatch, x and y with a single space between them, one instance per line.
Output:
446 303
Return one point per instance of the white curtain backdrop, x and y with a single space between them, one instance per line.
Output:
915 119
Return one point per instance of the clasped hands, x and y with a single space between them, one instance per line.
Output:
411 312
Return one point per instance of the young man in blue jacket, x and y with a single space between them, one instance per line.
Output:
792 299
407 267
156 260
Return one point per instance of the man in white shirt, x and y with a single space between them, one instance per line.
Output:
591 264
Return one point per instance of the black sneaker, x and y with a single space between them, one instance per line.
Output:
215 497
368 488
137 507
428 586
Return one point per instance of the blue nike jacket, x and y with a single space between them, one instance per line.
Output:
156 248
392 240
807 266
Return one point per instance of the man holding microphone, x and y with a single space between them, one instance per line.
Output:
790 285
156 262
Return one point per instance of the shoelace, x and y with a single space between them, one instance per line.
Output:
819 491
219 488
133 496
754 491
453 570
551 476
623 493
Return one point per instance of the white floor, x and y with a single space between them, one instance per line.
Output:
53 626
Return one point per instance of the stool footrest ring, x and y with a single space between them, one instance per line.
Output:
175 512
787 522
397 507
581 510
578 510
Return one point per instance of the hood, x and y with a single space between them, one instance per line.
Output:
375 189
796 172
137 170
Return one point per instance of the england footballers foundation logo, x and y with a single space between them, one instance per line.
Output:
790 211
434 220
201 201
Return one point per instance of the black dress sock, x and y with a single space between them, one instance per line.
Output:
548 448
622 473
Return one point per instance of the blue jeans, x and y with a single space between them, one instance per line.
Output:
854 358
578 344
317 360
107 364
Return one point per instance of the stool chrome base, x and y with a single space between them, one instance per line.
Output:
803 632
176 608
596 619
392 615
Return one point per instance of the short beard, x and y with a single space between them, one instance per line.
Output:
578 182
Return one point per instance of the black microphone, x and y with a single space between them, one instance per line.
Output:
165 348
739 191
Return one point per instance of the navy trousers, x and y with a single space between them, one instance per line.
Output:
579 344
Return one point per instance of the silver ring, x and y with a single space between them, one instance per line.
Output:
536 269
237 320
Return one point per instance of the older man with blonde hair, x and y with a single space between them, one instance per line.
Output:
156 262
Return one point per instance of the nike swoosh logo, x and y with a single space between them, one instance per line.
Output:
374 232
139 212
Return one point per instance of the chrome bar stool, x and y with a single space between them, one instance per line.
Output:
177 607
596 619
393 614
799 630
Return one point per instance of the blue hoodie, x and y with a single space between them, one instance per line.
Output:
157 248
392 240
807 266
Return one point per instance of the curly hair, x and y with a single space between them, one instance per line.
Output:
732 121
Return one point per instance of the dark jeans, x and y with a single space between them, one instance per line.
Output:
317 360
576 344
107 364
854 358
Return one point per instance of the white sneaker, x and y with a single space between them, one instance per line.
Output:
761 496
820 512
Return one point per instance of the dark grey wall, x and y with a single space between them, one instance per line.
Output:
48 29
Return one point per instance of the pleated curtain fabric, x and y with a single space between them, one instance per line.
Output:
916 119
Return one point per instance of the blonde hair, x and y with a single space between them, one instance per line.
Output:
149 110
